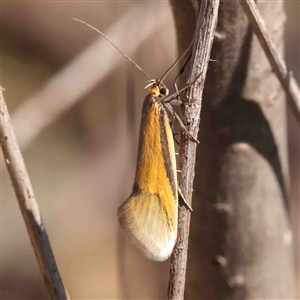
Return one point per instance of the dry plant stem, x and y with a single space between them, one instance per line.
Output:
240 245
205 30
286 79
28 205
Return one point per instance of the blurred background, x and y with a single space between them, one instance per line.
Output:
75 103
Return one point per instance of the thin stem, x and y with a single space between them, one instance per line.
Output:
286 78
205 29
28 205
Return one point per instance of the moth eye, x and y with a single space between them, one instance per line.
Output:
163 91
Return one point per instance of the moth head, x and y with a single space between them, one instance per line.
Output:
158 89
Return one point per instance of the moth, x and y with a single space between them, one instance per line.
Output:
149 217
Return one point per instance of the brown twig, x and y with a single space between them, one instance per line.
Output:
205 29
286 79
28 205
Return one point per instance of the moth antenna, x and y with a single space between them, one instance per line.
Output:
177 60
124 54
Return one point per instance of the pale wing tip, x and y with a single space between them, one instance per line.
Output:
161 247
161 252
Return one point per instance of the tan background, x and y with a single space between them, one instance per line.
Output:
82 165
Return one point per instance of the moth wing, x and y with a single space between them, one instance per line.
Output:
149 224
149 216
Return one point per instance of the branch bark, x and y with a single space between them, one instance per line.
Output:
241 240
28 205
192 103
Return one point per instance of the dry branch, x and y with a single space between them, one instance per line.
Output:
28 205
205 29
240 245
286 78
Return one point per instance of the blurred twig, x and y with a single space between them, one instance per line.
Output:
28 205
206 24
84 72
286 78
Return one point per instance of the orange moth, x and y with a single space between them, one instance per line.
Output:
149 217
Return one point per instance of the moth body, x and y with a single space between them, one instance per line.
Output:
149 216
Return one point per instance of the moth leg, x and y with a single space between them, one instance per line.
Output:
175 139
177 77
174 114
184 200
172 121
173 133
171 98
